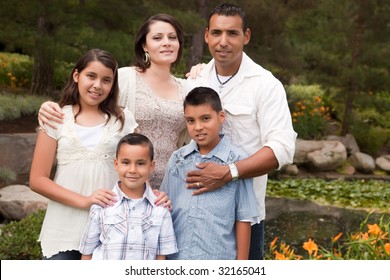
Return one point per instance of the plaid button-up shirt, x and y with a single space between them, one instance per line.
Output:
129 230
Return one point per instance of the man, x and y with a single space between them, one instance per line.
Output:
257 115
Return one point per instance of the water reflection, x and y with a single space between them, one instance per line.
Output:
295 221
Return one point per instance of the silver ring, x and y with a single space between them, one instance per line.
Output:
198 185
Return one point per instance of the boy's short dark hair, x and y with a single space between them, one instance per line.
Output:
203 95
136 139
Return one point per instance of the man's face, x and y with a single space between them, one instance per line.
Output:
226 40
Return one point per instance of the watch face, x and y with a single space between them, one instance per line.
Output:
233 171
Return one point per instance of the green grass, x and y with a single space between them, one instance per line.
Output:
369 195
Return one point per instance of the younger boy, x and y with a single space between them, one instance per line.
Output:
134 228
214 225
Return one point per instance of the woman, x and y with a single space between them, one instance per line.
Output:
149 89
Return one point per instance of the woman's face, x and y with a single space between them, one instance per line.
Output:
162 43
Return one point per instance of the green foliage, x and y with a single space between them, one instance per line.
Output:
15 70
6 175
18 239
358 194
309 111
13 106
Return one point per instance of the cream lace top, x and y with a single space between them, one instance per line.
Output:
161 120
81 170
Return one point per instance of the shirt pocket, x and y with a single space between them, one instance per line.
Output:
114 224
151 228
240 116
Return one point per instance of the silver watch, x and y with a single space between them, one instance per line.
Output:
233 171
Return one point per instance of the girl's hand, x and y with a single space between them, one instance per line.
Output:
102 197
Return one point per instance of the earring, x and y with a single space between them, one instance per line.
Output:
147 59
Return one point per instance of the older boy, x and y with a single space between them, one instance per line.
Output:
214 225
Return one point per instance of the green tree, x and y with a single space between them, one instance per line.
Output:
343 45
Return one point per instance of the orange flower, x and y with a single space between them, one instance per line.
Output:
279 256
310 246
387 248
272 245
337 237
374 229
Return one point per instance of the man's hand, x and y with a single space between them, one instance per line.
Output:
49 114
208 178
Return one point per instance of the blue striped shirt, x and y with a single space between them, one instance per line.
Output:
204 224
129 230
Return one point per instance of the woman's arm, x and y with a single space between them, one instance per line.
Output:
243 239
49 113
40 182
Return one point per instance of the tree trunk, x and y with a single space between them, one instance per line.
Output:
43 70
197 42
352 84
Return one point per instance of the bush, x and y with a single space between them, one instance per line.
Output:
310 114
18 239
15 70
13 106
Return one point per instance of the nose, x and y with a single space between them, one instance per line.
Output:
223 39
97 84
198 126
131 168
166 40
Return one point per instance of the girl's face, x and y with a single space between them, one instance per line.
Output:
94 83
162 43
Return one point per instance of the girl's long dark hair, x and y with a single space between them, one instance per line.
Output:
70 93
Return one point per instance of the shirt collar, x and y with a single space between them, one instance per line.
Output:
248 68
221 151
147 196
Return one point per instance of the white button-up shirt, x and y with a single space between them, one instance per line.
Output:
257 114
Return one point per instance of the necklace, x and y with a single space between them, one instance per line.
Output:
225 82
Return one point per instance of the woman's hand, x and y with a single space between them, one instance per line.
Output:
195 70
49 114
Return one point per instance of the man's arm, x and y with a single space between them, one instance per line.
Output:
212 176
243 239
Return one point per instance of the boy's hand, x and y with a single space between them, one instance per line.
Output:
162 198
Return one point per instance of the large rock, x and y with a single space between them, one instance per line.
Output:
18 201
383 163
349 142
363 163
321 155
16 151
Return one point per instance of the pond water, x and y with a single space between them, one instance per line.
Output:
295 221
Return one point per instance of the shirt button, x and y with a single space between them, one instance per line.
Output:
133 208
130 248
132 227
150 222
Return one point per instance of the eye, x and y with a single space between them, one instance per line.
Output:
189 121
205 119
107 81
